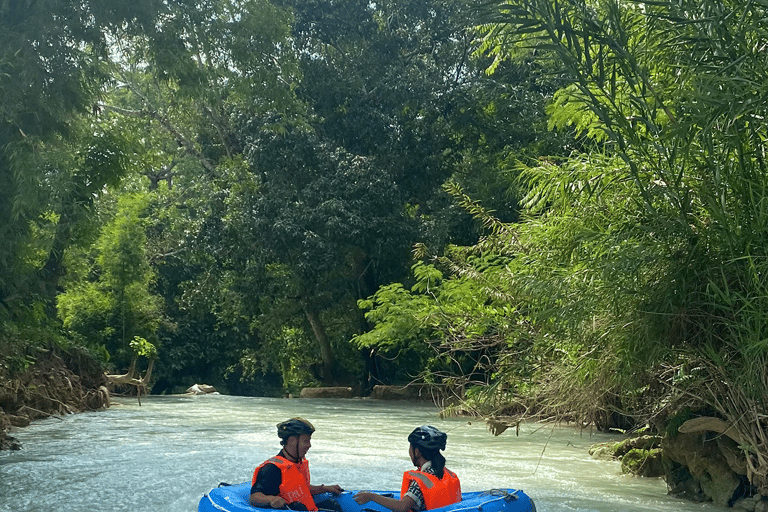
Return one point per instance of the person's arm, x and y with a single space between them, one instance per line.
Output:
318 489
404 504
259 499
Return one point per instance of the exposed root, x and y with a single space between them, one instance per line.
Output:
57 384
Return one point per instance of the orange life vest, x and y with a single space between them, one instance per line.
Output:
295 480
437 492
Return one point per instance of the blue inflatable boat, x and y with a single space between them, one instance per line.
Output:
235 498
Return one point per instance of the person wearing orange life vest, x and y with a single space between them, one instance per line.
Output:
432 485
283 480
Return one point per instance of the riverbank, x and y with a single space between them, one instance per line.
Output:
697 464
57 383
62 383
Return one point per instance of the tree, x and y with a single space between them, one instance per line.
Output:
205 65
389 90
50 75
448 330
384 79
317 219
141 348
179 90
116 305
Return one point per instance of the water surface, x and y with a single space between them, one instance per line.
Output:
164 455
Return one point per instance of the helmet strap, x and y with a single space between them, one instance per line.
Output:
416 457
285 449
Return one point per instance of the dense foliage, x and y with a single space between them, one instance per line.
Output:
638 271
543 207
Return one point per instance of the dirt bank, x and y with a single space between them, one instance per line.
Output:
58 382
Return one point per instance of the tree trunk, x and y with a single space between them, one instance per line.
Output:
326 353
53 268
366 286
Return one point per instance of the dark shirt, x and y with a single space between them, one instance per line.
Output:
268 480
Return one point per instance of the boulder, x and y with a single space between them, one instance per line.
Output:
618 449
329 392
603 451
639 455
747 504
737 461
380 392
99 399
201 389
8 443
18 420
696 457
681 484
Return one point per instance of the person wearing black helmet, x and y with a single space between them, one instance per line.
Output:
283 480
432 485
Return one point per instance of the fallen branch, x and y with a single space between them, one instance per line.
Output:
129 379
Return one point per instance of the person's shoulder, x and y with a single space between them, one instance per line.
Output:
271 466
268 480
269 471
276 460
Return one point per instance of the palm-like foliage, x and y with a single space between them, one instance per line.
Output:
669 222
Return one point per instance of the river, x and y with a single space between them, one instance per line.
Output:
163 455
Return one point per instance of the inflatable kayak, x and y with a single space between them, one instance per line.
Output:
235 498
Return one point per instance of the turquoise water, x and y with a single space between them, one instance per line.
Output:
164 455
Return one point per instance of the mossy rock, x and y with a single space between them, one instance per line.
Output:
641 462
604 451
619 449
637 443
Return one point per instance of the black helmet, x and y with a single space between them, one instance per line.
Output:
428 437
294 427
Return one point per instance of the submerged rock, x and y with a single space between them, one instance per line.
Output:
412 392
603 451
328 392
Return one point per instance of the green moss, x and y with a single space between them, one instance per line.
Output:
604 451
641 462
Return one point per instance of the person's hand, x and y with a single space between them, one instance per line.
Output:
277 502
335 489
362 497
